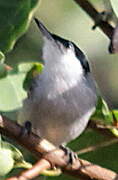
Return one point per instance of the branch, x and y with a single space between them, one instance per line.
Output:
51 156
104 131
98 146
94 14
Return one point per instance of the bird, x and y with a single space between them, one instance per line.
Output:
63 97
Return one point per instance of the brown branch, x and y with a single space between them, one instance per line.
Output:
51 156
33 172
94 14
104 131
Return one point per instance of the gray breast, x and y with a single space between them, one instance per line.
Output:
58 113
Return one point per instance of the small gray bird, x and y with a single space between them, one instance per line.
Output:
63 97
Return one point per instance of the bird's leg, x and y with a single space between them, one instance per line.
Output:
26 129
72 156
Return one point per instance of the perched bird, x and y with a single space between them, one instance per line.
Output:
63 97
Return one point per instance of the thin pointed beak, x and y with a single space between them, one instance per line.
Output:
43 30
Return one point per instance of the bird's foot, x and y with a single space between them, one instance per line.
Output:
72 156
26 129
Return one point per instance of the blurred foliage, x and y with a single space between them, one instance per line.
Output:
14 21
69 21
114 5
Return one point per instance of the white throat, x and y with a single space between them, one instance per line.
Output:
62 71
61 60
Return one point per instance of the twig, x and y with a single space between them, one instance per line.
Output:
94 14
52 156
33 172
100 145
104 131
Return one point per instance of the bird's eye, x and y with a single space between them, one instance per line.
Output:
70 45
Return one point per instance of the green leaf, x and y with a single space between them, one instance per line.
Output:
12 93
114 4
115 112
11 157
104 116
102 113
2 57
19 161
11 86
34 69
6 161
15 18
114 131
115 123
3 70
